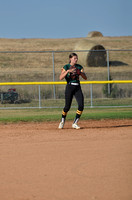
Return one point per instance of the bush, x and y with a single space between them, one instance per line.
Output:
114 91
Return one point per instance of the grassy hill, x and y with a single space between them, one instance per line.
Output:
33 66
62 44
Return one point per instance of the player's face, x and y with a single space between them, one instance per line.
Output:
74 60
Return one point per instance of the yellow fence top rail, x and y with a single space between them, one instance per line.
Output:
62 83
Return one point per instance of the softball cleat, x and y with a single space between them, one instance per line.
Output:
75 126
61 125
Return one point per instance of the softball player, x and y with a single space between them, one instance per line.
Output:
71 73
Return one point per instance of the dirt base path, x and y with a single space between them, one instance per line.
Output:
40 162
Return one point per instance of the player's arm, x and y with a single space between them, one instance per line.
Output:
65 72
83 75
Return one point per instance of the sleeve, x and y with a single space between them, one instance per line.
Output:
65 68
81 68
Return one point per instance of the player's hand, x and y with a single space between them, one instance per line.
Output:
78 71
72 70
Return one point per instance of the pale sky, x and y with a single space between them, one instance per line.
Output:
64 18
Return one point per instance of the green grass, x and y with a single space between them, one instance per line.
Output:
60 102
40 115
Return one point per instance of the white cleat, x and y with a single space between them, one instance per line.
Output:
61 125
75 126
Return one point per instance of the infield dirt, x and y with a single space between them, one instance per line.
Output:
40 162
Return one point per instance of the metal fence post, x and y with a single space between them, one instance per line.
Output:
108 69
39 96
91 92
53 74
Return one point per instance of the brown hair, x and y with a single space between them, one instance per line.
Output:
72 54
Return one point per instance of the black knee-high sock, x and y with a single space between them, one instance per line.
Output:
63 118
78 115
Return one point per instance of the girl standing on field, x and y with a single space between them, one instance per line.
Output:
71 73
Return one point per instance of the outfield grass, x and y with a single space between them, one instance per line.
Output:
40 115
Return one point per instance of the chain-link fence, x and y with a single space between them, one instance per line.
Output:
41 66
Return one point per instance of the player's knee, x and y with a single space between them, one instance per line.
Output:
66 109
81 107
